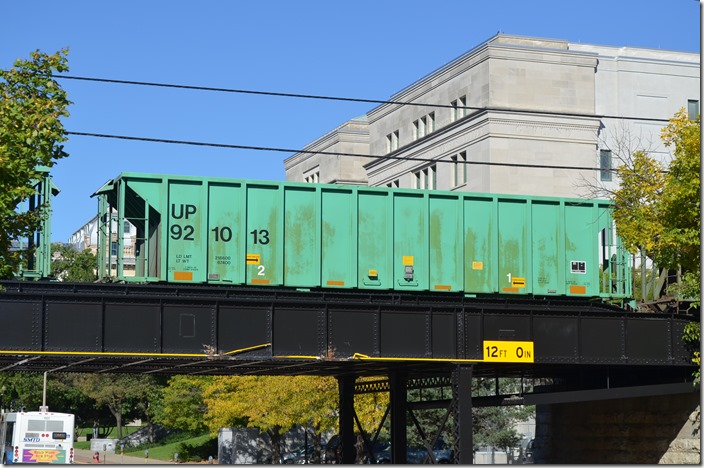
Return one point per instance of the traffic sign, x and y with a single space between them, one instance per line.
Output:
508 351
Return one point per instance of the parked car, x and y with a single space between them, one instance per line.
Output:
528 452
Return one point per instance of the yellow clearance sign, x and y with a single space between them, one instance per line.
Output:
509 351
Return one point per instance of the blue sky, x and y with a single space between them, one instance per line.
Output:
365 49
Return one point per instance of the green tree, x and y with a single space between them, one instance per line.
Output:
70 265
148 406
636 202
25 390
657 210
120 393
31 134
183 406
680 209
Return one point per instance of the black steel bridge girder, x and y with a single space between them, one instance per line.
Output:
262 325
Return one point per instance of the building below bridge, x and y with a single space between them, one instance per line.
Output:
86 237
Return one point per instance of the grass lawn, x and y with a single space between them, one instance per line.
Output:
166 452
172 444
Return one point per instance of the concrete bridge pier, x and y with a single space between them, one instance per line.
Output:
650 429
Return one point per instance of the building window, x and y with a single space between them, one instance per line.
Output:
418 129
693 109
459 166
426 178
312 176
458 108
126 227
423 126
113 248
392 141
605 165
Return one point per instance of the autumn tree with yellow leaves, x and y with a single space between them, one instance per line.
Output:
656 207
272 404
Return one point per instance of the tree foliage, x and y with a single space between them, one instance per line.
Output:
68 264
692 336
24 390
120 393
636 202
31 106
679 242
657 210
183 406
495 426
273 404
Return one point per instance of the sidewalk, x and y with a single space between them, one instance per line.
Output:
86 457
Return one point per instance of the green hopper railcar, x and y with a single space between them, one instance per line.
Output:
270 233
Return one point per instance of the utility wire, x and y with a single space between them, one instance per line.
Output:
347 99
337 98
242 91
331 153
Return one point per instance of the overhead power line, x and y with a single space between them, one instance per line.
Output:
338 98
248 91
330 153
347 99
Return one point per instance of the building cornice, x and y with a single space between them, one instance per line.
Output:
499 46
495 123
345 133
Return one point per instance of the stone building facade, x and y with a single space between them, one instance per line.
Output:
507 115
348 139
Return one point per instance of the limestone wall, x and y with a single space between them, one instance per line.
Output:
664 429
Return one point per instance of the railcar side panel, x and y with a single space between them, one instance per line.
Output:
446 258
226 234
338 239
480 245
580 239
187 234
514 252
301 236
264 255
547 272
410 255
375 239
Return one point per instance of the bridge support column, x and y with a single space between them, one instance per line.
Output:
650 430
399 406
462 406
347 442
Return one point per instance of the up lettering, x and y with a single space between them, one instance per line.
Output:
182 211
